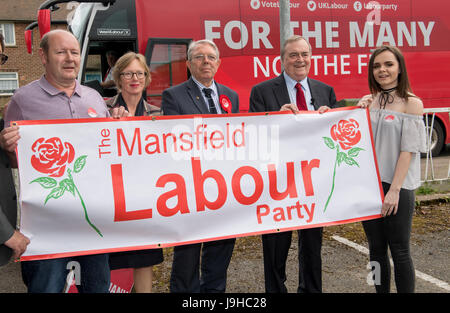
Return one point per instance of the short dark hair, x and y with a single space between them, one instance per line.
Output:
403 86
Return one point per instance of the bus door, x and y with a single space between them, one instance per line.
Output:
111 29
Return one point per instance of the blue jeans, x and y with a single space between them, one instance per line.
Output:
49 276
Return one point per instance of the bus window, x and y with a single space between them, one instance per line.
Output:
93 68
167 63
96 64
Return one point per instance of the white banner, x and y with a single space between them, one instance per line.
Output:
102 185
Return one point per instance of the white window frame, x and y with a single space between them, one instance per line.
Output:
2 93
2 30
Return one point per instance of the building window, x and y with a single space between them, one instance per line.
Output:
7 29
8 83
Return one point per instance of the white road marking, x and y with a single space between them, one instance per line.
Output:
364 250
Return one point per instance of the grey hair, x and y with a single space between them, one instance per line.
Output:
194 45
291 39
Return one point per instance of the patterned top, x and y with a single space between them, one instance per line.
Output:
393 133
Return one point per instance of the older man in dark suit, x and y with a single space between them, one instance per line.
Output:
293 90
200 95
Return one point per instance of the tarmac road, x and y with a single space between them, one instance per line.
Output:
344 267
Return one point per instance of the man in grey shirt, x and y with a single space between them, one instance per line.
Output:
58 95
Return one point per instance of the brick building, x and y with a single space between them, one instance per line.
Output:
21 67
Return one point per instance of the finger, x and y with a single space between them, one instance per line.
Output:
395 209
390 210
362 104
9 132
10 145
386 209
16 254
115 113
290 107
323 109
124 113
383 209
12 140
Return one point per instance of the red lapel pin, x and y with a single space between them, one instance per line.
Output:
225 103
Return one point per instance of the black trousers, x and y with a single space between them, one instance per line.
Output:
393 231
275 249
216 256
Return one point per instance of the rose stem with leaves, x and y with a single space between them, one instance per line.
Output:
334 175
82 203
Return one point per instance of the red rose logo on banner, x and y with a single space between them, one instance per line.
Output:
346 133
51 157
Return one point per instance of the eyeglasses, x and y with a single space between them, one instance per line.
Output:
201 57
129 75
3 58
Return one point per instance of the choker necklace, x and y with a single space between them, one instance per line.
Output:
386 97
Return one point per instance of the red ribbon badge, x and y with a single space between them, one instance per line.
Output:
225 103
92 112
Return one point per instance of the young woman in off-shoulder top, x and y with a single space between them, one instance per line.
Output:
399 137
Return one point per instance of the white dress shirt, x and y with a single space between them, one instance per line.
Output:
214 94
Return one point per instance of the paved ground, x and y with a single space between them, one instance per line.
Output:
344 267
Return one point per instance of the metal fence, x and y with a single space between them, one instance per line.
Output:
429 174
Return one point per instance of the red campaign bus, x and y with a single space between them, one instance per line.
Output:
342 34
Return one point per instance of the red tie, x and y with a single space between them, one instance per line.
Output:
301 102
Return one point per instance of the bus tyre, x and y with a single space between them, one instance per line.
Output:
437 137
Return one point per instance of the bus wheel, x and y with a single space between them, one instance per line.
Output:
437 137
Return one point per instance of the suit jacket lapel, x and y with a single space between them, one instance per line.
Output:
196 97
315 93
220 91
280 91
223 91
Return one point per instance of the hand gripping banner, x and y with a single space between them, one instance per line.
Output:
102 185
